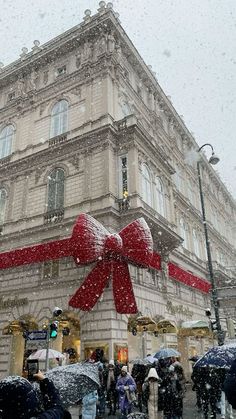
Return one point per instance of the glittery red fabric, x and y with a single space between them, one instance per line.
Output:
91 242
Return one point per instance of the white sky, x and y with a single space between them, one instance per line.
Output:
191 44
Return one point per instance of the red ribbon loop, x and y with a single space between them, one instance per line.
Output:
112 252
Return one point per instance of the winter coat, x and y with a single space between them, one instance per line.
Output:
89 405
230 385
172 396
150 392
18 400
123 381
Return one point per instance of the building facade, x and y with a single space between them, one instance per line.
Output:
86 128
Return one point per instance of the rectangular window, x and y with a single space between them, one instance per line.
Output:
51 269
123 174
61 71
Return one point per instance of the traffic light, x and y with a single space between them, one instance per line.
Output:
54 329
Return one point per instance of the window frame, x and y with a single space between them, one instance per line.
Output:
122 170
53 198
3 206
146 194
6 141
59 118
159 196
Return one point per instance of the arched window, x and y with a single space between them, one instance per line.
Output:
196 244
159 197
183 232
59 121
56 190
3 200
146 185
6 136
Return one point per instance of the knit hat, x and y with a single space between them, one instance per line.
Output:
124 368
18 399
152 374
111 362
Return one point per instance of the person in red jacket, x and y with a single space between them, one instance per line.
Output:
19 399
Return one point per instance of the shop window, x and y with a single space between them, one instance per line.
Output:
146 185
56 190
59 118
3 199
51 269
6 136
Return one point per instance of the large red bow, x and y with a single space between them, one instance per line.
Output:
112 252
91 242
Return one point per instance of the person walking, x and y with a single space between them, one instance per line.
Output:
110 382
126 388
172 393
229 387
89 405
150 390
19 400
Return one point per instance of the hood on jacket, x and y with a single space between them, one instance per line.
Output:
18 399
152 374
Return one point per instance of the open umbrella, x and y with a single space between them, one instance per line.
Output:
218 357
42 353
166 353
74 381
150 359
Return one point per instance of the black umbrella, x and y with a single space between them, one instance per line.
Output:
74 381
218 357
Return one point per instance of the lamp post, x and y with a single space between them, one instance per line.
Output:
212 160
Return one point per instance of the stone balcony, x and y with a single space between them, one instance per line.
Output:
54 216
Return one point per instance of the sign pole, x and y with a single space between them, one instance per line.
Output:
47 348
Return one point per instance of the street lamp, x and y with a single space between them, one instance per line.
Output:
212 160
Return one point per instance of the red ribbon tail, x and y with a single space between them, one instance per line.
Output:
92 288
122 289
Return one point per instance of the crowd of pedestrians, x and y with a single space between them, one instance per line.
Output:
155 392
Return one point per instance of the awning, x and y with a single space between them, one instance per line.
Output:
166 326
195 328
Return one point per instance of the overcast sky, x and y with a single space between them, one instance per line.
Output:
191 45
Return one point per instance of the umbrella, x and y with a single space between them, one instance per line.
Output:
166 353
41 354
137 415
150 359
139 361
218 357
74 381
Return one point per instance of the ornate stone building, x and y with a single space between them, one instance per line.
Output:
85 127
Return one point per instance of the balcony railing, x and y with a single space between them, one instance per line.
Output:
59 139
54 216
123 204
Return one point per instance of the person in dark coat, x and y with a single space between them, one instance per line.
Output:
210 391
172 395
110 376
230 385
19 400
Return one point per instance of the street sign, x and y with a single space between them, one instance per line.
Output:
37 335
